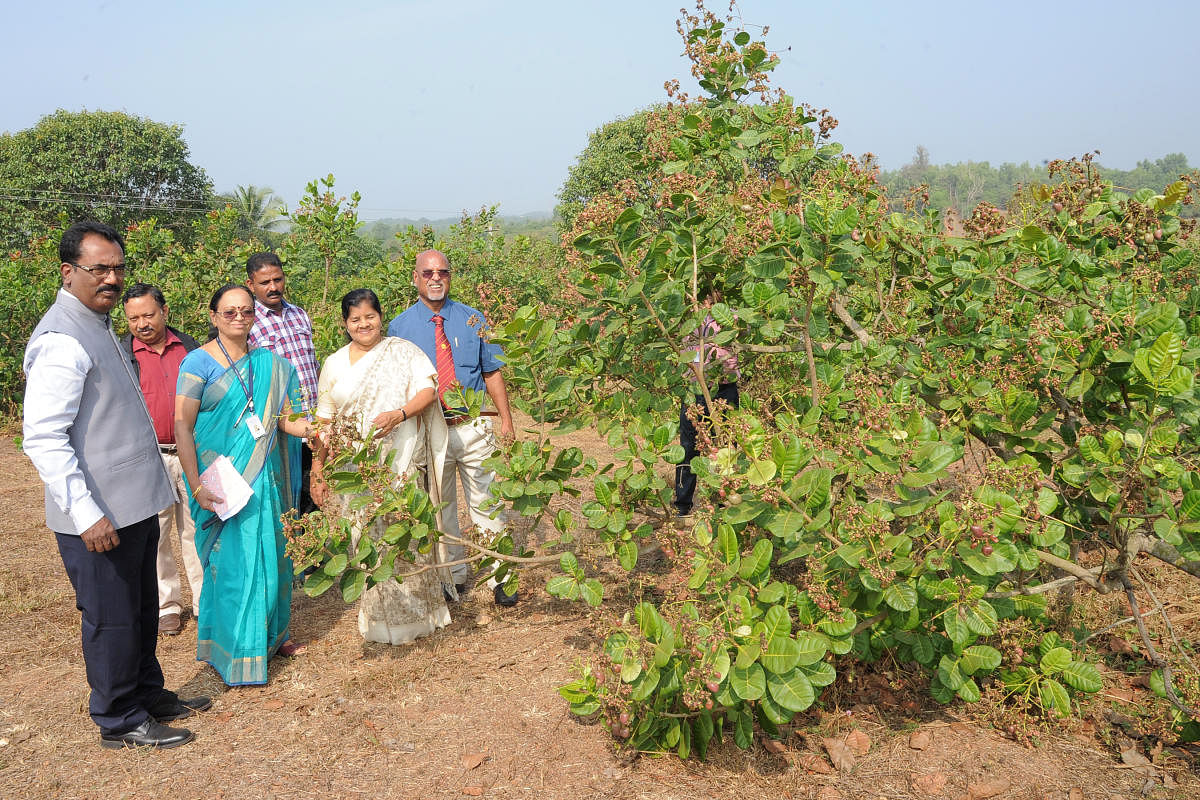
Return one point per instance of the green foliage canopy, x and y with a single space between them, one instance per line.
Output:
105 165
614 153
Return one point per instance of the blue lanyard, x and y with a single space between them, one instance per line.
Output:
249 390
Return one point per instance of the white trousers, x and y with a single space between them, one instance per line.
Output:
470 444
176 520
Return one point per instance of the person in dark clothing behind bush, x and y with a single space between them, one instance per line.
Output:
719 368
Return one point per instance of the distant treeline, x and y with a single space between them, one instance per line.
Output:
964 185
533 226
961 186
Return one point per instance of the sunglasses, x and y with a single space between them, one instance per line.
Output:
234 313
101 271
429 273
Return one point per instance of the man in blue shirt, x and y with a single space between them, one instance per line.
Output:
450 334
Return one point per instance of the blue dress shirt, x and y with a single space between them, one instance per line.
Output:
473 356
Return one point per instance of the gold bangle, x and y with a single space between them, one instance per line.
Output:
196 491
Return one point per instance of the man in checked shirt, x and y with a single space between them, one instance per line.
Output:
286 330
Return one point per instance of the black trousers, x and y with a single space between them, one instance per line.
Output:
685 481
117 594
304 503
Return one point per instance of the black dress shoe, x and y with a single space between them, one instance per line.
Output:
148 734
172 707
502 599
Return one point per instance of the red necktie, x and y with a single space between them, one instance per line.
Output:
445 358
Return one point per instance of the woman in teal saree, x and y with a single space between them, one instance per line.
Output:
234 401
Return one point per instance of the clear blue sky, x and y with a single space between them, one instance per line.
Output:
429 107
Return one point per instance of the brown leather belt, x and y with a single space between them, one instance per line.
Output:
461 418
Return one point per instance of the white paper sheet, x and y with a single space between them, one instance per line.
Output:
222 479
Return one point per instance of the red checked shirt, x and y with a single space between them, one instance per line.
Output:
288 334
158 375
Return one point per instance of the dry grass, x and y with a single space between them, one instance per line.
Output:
351 719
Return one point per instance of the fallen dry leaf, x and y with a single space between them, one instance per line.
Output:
814 763
223 716
773 746
985 789
273 705
858 742
931 784
1075 794
829 793
920 739
1118 645
473 760
1120 695
473 791
839 754
1141 765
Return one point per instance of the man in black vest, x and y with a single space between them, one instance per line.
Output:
87 431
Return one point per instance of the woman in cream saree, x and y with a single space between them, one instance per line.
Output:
387 384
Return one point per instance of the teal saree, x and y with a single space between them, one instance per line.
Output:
245 605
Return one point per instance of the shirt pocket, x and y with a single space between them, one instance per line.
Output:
466 368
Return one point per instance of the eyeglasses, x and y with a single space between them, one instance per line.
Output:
234 313
429 273
101 271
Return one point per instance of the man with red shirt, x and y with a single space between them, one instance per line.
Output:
157 349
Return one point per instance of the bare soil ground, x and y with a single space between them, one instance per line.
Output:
470 711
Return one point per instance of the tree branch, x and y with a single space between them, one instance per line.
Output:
858 330
1090 577
1058 301
1165 551
1161 609
1041 588
792 348
868 622
493 554
1153 655
808 353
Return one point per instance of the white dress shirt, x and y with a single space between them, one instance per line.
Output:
55 368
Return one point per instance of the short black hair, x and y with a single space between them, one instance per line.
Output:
261 261
356 297
143 289
228 287
216 299
72 238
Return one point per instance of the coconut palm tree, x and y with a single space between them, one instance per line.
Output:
259 212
